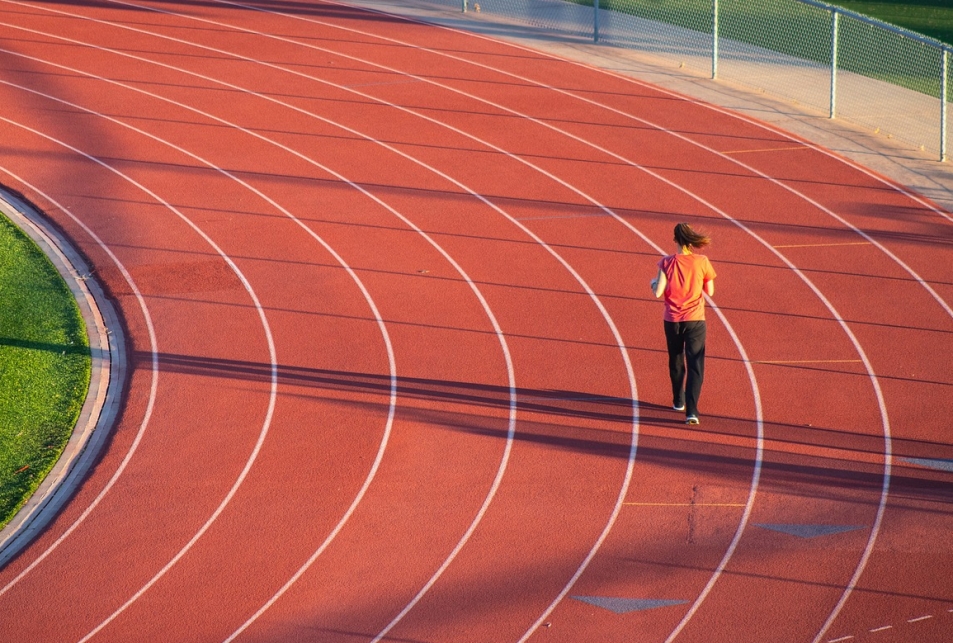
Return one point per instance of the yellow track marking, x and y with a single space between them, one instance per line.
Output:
826 245
684 504
768 149
808 361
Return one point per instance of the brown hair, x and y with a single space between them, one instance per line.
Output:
685 236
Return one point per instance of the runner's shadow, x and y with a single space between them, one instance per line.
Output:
602 425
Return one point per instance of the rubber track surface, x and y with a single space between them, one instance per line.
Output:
396 370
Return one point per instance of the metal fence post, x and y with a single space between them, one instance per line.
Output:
714 38
835 21
944 68
595 21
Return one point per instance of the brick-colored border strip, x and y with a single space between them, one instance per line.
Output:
107 378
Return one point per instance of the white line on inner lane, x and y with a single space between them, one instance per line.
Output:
153 386
393 377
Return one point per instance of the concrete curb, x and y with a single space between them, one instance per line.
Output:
107 377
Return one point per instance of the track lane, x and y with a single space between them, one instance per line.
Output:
940 301
213 410
213 369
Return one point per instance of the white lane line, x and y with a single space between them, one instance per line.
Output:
882 628
888 449
153 386
757 470
620 343
643 121
504 461
380 322
872 375
841 639
890 184
266 424
680 188
885 421
919 618
592 295
510 369
262 317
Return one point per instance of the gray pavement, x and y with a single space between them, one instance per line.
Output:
887 157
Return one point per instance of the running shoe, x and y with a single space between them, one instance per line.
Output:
692 419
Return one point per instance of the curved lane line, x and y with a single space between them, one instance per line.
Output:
888 448
592 295
510 435
638 119
875 382
153 387
470 282
885 421
274 371
600 540
510 370
261 314
616 334
274 368
853 339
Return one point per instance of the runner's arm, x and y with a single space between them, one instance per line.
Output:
658 284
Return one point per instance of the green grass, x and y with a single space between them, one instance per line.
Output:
933 18
44 367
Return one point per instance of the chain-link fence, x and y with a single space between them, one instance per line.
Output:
817 56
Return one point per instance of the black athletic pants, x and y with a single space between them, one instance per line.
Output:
686 344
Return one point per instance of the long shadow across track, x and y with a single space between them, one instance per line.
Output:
396 372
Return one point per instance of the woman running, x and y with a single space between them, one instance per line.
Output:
684 278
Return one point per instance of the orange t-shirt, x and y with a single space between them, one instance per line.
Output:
684 294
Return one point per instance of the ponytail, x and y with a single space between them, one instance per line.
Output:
685 236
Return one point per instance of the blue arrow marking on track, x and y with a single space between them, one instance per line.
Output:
624 605
942 465
811 531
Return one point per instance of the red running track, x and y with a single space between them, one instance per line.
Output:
397 373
